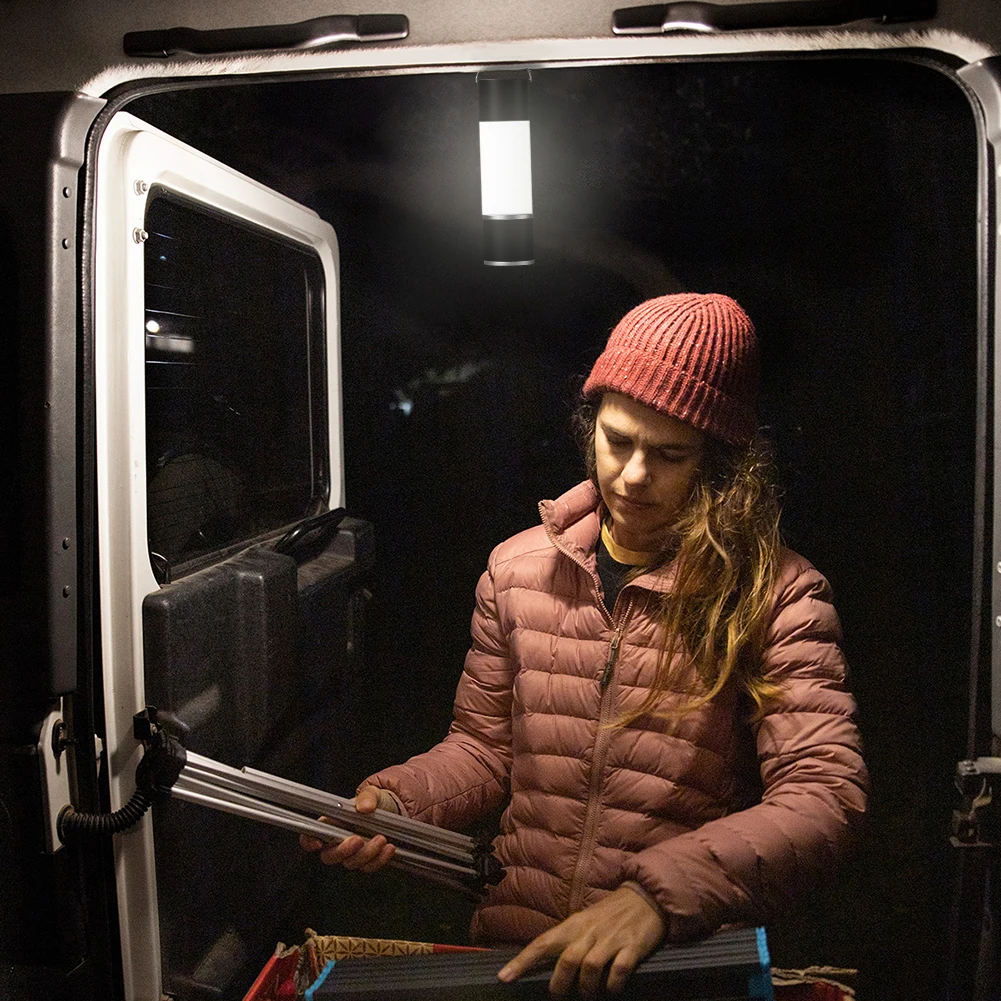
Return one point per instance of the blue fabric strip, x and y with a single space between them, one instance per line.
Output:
763 956
319 980
759 983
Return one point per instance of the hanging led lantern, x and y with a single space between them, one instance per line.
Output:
506 167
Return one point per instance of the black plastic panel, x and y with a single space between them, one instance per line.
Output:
217 643
263 659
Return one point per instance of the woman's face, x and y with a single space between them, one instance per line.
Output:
646 462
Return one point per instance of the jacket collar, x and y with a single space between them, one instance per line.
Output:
573 520
573 524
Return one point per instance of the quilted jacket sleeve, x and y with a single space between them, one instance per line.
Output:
467 775
751 864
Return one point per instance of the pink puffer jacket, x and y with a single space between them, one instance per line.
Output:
665 805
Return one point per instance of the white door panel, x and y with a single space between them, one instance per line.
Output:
134 161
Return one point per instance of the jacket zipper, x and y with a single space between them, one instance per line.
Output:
601 741
613 656
603 736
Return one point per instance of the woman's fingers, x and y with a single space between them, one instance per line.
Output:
367 799
581 963
622 966
548 944
576 961
355 852
310 844
385 854
336 853
367 854
610 936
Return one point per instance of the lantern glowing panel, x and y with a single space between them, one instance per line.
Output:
505 167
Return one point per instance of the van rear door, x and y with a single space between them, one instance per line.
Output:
218 431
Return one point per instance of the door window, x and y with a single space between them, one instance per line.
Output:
236 420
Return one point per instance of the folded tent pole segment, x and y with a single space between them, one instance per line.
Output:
168 768
455 860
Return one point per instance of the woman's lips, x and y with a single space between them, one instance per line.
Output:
633 505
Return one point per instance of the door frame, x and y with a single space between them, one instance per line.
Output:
981 81
132 159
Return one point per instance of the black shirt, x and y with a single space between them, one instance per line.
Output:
611 573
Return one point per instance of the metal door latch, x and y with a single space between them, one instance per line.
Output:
977 823
53 773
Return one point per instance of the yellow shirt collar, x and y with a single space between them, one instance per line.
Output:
620 554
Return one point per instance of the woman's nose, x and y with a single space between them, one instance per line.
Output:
635 470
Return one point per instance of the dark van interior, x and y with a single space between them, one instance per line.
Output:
835 198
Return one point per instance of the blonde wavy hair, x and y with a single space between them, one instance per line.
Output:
725 552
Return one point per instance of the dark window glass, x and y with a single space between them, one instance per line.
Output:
236 403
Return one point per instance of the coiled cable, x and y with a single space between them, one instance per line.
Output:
70 822
163 758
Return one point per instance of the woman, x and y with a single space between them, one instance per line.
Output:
655 686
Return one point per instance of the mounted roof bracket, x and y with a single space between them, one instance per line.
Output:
697 15
315 33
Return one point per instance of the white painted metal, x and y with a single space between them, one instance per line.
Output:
54 776
474 56
131 151
78 46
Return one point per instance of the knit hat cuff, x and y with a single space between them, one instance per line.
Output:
669 389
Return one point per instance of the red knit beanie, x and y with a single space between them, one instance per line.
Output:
689 355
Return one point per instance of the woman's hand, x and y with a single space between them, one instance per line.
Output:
621 929
355 852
